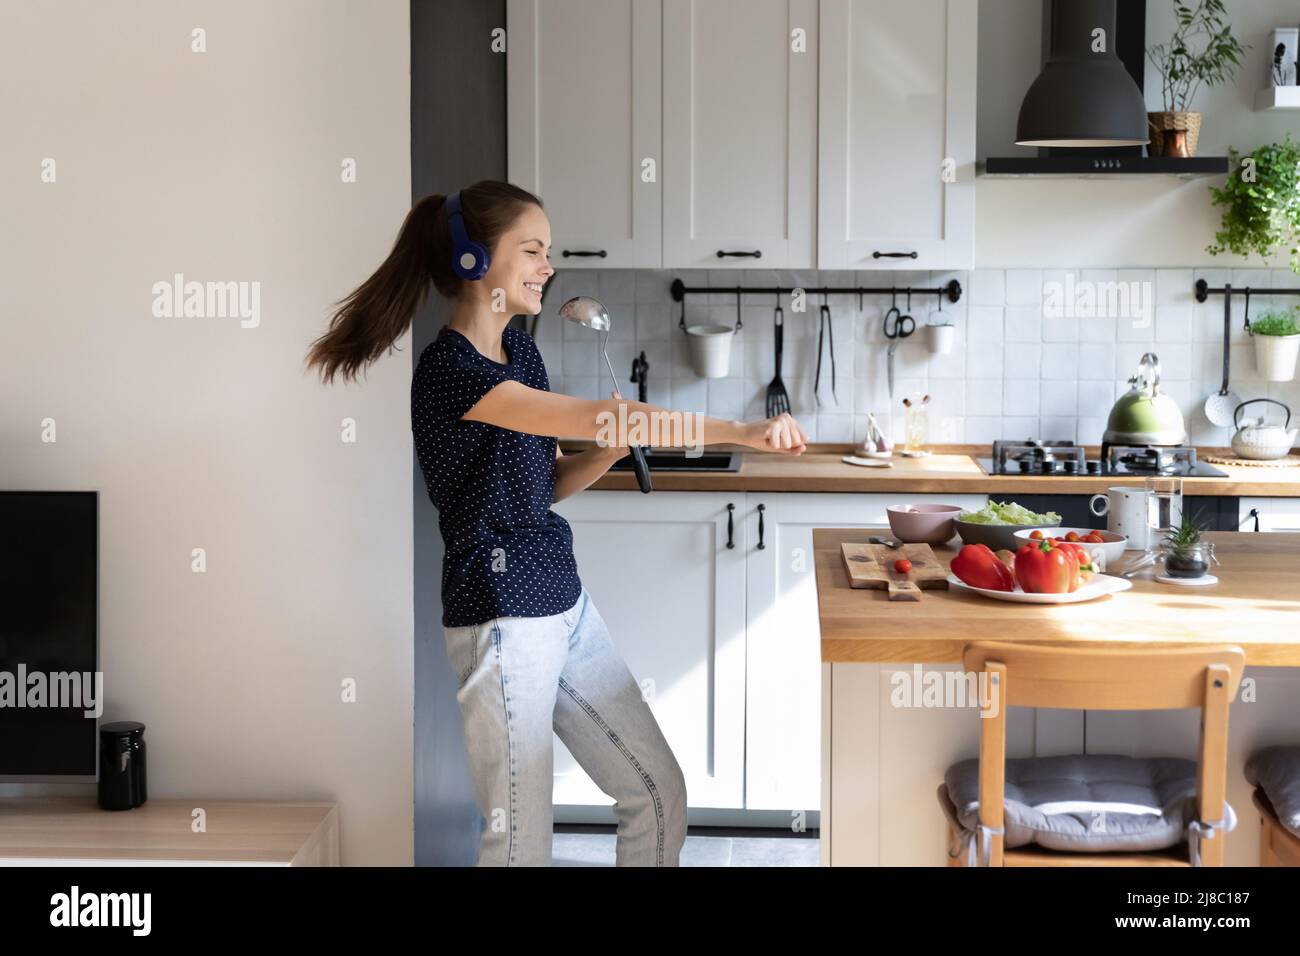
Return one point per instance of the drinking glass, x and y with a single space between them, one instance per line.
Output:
1164 506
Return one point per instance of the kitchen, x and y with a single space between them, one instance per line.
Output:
1025 289
1028 291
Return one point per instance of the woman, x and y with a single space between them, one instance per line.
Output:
530 650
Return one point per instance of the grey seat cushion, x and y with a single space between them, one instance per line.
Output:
1276 771
1087 802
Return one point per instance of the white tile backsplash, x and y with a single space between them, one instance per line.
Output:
1013 372
988 287
1023 323
1025 287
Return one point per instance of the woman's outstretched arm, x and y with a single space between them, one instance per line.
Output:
620 422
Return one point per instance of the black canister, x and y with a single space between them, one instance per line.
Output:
121 765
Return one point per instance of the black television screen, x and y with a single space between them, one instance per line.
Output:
49 635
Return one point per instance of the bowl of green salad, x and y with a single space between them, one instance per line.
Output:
996 524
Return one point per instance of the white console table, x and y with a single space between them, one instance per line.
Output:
74 831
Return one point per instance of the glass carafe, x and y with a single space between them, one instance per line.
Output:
916 425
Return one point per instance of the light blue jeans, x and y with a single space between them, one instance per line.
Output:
522 678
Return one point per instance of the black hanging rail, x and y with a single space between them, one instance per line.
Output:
681 290
1203 290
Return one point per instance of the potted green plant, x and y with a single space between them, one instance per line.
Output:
1187 554
1261 201
1277 343
1201 52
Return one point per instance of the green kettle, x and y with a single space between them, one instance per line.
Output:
1144 415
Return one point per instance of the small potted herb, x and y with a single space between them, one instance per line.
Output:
1187 554
1277 344
1201 52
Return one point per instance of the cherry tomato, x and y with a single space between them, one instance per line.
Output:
902 565
1072 536
1036 535
1095 538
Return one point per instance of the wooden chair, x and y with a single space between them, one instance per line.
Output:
1095 677
1278 846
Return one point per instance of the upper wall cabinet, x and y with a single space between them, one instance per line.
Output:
897 110
583 108
740 133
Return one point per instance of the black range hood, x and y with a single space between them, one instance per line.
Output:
1085 111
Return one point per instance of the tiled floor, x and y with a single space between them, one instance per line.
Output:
594 846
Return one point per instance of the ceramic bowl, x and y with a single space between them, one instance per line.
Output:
1112 548
996 536
922 524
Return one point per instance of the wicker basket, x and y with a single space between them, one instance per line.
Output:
1159 123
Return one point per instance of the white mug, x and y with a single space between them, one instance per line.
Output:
1126 510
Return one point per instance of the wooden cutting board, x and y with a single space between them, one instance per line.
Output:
872 566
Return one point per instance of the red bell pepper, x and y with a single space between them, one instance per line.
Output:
1046 567
979 567
1082 555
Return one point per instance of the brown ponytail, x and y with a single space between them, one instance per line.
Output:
378 312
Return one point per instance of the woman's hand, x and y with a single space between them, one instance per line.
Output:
781 434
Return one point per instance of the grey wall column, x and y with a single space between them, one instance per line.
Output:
458 136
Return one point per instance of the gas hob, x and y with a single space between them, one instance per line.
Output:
1038 458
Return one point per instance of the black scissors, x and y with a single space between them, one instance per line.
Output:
903 326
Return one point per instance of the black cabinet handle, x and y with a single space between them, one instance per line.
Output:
761 509
756 254
1254 513
731 508
583 253
894 255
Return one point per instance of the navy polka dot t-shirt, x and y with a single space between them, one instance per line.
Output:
507 552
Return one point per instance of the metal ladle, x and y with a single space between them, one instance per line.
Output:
588 312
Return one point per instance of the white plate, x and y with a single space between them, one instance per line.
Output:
1202 581
1099 586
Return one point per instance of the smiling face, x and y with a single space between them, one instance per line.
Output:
521 262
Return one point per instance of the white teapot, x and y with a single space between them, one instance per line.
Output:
1254 439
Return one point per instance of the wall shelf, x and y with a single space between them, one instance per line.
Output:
1278 98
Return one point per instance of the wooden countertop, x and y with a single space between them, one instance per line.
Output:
1256 605
950 469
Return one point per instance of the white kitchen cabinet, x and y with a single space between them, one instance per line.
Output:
1275 514
740 133
658 569
897 102
783 674
583 123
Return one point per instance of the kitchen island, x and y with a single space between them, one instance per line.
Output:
884 751
709 589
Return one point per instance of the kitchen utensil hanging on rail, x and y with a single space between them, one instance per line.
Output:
778 399
902 327
1220 406
825 329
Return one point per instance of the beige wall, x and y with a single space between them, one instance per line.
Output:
1120 221
203 433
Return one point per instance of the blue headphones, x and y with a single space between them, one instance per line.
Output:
469 260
